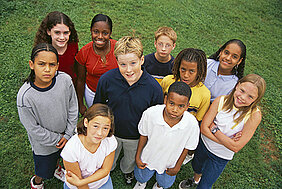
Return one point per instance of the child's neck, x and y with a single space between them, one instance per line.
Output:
171 122
90 146
162 60
221 71
61 50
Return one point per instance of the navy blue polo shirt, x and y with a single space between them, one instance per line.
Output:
128 102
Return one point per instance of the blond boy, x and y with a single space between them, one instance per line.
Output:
159 64
128 90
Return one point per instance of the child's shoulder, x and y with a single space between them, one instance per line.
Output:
189 119
110 140
112 74
62 76
149 80
87 47
150 56
168 79
24 91
155 109
201 88
188 116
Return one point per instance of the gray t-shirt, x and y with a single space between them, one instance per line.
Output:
48 114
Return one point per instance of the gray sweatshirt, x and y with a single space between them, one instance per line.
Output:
48 114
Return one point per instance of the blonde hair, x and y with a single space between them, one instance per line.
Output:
259 82
167 31
128 44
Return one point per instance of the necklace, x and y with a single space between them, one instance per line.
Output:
103 55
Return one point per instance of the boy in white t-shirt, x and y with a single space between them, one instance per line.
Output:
167 132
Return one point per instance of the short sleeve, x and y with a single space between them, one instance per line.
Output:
193 140
81 56
143 124
112 144
70 152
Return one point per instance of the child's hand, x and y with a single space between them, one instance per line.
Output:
172 171
61 143
237 136
73 179
140 164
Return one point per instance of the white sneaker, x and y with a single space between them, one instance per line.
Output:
33 186
140 185
188 158
60 174
156 186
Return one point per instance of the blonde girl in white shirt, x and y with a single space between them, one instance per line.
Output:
227 127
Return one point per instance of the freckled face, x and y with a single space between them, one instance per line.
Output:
188 72
245 94
130 67
98 128
45 66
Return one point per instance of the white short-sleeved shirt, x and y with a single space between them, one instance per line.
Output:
218 84
89 163
165 144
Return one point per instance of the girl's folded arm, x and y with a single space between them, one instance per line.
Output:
75 173
102 172
247 133
208 121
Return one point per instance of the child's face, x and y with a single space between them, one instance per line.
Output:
188 72
164 45
245 94
60 35
230 57
101 34
130 67
98 129
45 66
175 106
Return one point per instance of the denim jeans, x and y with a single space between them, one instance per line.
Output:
107 185
207 164
143 175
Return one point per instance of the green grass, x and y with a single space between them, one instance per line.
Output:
199 24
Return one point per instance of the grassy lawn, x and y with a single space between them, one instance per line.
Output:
199 24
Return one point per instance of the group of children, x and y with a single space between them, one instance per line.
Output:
162 112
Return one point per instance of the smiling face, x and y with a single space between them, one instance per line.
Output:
45 66
130 67
176 105
188 72
245 94
98 129
101 34
164 45
228 58
60 35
